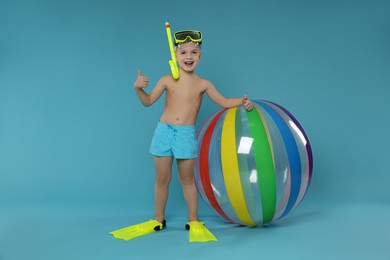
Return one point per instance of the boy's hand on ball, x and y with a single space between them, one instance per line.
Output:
247 103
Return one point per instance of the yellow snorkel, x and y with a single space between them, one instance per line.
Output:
172 62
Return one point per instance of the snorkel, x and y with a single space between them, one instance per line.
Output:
172 62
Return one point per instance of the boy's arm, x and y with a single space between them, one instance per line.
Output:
224 102
142 82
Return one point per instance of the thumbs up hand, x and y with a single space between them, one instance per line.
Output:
247 103
141 81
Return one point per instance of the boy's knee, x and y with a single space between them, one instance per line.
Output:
163 180
187 179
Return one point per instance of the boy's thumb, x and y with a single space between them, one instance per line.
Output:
139 72
245 96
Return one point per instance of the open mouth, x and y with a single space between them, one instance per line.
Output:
189 63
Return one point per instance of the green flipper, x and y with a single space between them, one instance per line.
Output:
138 230
199 233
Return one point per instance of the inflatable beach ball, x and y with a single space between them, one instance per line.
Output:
253 167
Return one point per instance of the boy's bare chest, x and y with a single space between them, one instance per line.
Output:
184 91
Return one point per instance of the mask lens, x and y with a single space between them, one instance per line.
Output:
181 36
194 35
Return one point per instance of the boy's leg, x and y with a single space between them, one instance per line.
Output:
163 167
186 176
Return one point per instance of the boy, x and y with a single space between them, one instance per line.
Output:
175 135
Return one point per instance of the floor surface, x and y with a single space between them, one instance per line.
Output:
341 231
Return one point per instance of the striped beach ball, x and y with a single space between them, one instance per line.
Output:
253 167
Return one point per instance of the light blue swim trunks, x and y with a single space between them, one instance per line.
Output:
177 141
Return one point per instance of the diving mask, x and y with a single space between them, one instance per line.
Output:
184 36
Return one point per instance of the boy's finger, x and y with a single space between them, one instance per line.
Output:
139 72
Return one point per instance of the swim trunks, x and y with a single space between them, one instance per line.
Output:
177 141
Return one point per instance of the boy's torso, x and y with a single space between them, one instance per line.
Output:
182 101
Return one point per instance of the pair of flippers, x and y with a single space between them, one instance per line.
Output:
198 231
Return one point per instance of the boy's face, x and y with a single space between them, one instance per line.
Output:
188 55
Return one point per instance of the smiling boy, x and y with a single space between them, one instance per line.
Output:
175 134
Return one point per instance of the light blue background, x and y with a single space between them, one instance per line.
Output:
74 138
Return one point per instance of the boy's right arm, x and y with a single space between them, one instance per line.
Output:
142 82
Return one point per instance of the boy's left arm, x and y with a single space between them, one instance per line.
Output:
215 96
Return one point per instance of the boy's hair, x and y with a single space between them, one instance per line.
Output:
199 44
